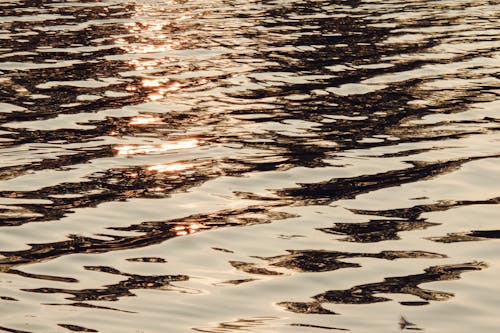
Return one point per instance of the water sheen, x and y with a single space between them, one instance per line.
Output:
245 165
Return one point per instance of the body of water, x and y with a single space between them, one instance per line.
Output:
249 166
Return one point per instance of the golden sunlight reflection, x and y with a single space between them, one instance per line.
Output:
176 166
127 150
156 189
150 83
173 167
161 92
147 64
145 120
182 230
150 51
155 96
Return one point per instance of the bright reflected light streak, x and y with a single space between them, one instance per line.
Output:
174 167
157 189
151 83
161 92
155 97
182 230
145 120
152 149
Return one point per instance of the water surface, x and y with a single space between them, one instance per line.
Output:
258 166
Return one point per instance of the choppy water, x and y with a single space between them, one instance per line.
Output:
256 166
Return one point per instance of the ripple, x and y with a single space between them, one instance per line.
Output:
209 168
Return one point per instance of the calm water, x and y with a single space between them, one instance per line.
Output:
243 165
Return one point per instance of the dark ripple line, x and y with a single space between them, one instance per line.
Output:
366 293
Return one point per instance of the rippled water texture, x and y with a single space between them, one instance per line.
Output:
244 165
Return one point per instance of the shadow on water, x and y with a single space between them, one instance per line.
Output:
365 294
114 292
